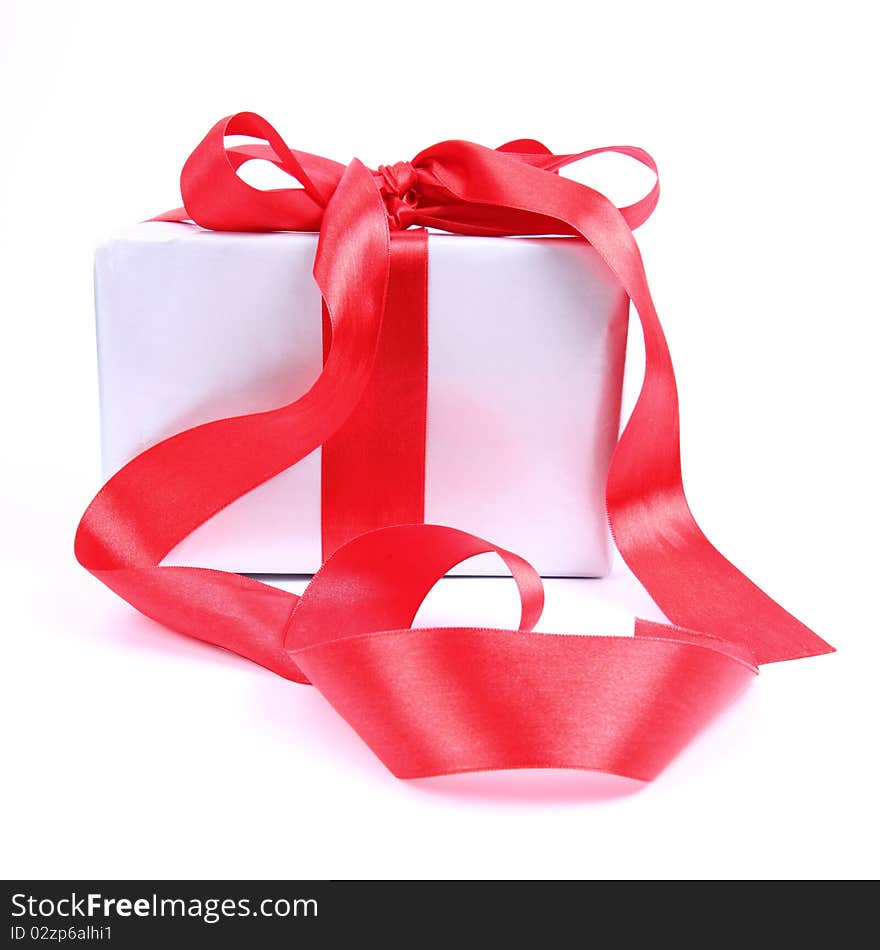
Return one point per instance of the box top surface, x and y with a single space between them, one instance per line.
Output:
168 231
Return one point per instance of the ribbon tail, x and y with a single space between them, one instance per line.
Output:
164 493
687 577
658 537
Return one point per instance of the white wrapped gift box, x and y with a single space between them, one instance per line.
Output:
526 345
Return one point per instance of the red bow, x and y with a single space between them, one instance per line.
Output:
450 700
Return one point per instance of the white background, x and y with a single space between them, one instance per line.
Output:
129 751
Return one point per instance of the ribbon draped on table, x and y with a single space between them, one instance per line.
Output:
435 701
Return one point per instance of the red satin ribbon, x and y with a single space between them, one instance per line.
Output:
373 468
446 700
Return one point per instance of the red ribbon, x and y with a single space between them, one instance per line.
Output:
455 699
373 468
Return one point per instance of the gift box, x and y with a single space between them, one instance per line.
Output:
525 354
436 382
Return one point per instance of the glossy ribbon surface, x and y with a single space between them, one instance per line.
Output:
455 699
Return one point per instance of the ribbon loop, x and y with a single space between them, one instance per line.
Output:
393 570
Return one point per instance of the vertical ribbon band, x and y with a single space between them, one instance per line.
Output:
453 699
373 468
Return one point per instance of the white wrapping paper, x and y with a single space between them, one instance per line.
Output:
526 353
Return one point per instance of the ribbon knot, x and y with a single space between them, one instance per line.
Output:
397 185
